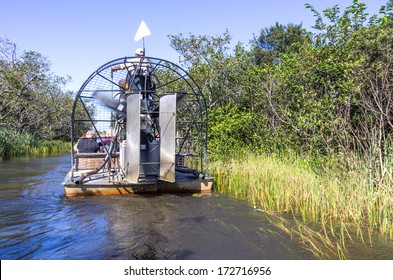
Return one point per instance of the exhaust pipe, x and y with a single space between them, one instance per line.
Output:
83 176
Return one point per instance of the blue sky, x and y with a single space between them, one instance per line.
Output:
78 36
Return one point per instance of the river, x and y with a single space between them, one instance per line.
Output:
37 221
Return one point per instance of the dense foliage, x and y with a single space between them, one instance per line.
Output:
33 106
327 93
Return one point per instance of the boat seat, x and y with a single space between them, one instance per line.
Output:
89 161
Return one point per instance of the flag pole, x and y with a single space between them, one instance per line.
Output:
144 52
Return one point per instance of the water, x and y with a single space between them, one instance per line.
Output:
38 222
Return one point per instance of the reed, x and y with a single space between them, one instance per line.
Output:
52 147
340 206
14 143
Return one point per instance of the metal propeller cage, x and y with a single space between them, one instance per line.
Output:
164 77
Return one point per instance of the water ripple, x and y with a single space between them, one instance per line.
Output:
38 222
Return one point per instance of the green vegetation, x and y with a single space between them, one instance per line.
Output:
333 205
323 101
51 148
301 123
33 107
325 94
18 144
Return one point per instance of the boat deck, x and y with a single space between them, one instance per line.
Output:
103 184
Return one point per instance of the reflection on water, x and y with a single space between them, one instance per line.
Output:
38 222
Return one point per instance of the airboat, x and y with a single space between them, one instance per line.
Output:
149 122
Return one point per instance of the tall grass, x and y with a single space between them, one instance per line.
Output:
340 205
13 143
52 147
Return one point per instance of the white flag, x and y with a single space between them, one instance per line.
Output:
143 31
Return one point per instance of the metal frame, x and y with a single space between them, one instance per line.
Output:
168 78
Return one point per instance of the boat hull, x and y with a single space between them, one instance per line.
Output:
103 187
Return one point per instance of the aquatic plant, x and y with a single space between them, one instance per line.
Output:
14 143
339 206
51 148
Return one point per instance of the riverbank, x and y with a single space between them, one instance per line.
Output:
328 209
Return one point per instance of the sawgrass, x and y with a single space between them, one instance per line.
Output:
52 147
13 143
327 210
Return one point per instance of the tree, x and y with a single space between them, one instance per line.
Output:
31 94
326 93
32 100
276 40
371 49
389 4
204 56
334 96
229 81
